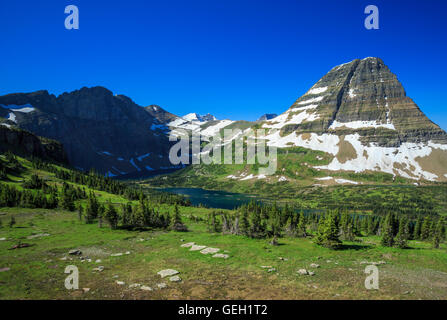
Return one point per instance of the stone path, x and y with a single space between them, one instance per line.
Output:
205 250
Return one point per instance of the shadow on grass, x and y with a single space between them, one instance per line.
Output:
355 247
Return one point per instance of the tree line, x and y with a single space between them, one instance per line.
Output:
329 228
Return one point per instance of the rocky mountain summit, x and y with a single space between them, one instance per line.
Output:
97 129
360 114
267 116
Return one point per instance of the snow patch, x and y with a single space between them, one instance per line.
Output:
140 158
133 163
361 124
317 90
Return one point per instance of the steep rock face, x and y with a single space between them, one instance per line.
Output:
98 130
28 144
361 108
267 116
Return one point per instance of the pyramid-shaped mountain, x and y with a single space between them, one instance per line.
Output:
360 114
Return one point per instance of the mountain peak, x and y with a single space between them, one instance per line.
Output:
199 118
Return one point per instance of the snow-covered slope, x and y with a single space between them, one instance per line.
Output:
359 113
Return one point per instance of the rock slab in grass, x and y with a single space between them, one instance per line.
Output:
187 245
167 273
209 250
197 248
302 272
2 239
162 285
116 254
99 269
120 283
146 288
314 265
221 255
38 235
75 252
175 279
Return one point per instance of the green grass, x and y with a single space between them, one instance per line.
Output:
37 272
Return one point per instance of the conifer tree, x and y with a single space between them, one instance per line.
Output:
177 223
403 234
245 224
387 231
417 229
80 211
438 234
426 228
328 232
111 215
302 224
12 221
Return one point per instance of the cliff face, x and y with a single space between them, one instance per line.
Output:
364 96
28 144
98 129
360 108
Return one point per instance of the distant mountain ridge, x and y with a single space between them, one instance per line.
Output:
358 114
97 129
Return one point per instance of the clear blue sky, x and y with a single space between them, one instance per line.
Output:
236 59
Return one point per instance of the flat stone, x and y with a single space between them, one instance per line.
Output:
135 285
175 279
4 269
209 250
119 254
221 255
146 288
86 290
187 245
167 273
99 269
271 270
38 235
127 252
197 248
2 239
302 271
121 283
314 265
98 261
311 273
162 285
266 267
63 258
75 252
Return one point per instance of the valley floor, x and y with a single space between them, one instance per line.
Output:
37 271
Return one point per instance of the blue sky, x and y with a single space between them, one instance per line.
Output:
237 59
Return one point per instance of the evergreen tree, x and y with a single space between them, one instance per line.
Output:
403 234
346 227
12 221
80 212
387 231
328 232
245 224
111 215
177 223
417 229
438 233
426 228
91 211
302 224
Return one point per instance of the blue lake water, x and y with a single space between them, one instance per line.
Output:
214 199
